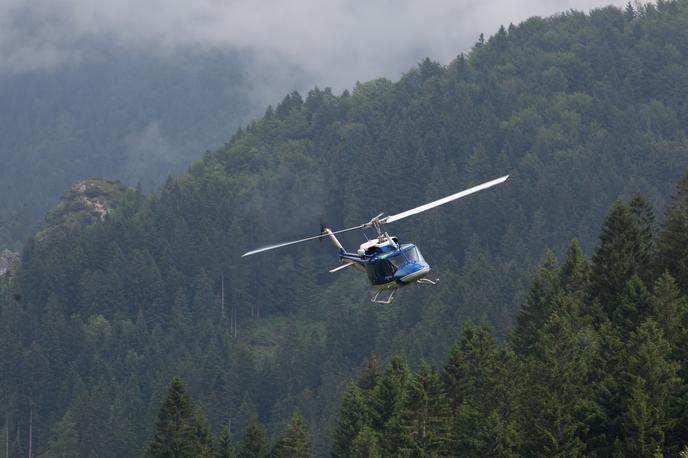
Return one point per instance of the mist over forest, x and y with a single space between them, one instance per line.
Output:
131 326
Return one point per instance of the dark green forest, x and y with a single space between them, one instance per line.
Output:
553 347
114 115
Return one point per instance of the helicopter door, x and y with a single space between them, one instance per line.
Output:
380 271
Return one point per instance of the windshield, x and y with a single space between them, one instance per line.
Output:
413 255
398 260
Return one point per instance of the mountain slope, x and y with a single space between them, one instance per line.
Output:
580 109
114 115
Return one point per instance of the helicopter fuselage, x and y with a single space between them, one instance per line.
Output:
388 264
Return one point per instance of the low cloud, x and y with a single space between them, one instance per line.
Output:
332 43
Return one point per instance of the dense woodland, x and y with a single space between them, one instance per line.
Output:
581 109
597 365
111 114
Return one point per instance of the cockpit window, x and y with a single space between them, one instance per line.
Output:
380 269
398 260
412 254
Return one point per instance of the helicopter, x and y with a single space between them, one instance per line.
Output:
389 264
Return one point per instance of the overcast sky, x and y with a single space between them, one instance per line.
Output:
329 42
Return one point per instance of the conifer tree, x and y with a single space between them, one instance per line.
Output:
602 436
649 383
202 438
576 270
389 391
633 307
174 435
673 240
354 415
556 398
225 447
366 444
296 441
479 381
469 363
644 218
368 381
670 311
424 424
254 443
534 313
617 257
64 442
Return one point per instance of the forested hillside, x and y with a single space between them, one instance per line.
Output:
580 109
597 364
114 115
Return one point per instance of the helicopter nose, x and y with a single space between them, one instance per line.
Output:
413 273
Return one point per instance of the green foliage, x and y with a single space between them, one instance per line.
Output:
114 114
64 442
617 258
534 313
180 431
254 443
225 447
354 416
479 379
649 384
580 108
295 442
674 237
423 424
366 444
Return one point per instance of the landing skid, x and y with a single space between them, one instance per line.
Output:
427 281
389 299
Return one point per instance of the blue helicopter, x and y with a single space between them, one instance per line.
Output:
388 264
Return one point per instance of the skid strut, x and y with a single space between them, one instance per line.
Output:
389 299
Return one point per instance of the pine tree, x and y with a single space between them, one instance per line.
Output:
576 270
649 383
296 441
479 379
175 435
354 415
254 443
534 313
424 424
644 218
366 444
617 258
225 447
201 436
670 311
673 240
64 441
389 391
633 307
556 397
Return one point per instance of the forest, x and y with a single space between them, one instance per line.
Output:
595 366
112 331
111 114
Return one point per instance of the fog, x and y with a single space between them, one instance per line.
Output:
330 44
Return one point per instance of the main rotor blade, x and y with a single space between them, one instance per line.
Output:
444 200
280 245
